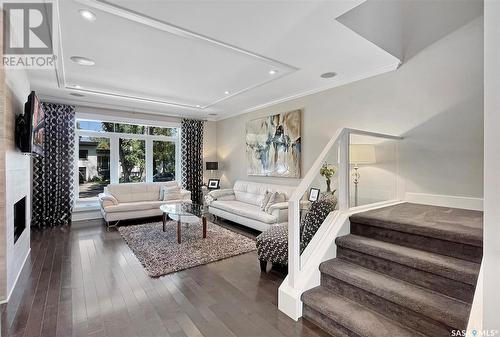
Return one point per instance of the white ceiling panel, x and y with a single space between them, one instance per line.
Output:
180 57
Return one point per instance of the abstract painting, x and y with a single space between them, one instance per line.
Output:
274 145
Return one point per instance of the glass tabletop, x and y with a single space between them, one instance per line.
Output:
184 208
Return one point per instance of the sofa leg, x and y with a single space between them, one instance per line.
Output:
109 225
263 266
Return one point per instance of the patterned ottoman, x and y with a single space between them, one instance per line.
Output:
272 246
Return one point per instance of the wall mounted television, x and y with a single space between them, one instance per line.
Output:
30 127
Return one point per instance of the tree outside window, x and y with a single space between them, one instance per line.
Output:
94 169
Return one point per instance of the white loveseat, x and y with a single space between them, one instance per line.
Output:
242 203
136 200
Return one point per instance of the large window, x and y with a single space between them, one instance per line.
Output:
92 175
112 152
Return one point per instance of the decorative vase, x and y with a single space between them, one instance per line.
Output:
328 189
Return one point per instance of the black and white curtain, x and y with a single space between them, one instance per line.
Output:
192 157
53 172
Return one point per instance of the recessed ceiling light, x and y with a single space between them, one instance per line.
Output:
329 74
76 86
226 92
198 106
76 94
87 15
84 61
212 114
272 72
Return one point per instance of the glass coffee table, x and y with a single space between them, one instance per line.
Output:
185 213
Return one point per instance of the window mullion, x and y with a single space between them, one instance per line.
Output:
114 160
149 160
77 172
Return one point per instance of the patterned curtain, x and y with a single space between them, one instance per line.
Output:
192 157
53 173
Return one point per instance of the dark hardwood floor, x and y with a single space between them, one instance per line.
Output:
87 282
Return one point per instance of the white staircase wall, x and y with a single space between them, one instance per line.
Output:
434 100
404 28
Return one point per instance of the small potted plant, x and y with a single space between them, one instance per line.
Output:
328 171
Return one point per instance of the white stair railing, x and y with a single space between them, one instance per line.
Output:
340 142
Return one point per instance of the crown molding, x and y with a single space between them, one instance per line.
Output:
117 107
334 84
139 18
170 28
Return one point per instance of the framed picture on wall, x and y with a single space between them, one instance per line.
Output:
313 194
273 145
213 184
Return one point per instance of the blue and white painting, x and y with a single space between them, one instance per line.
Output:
274 145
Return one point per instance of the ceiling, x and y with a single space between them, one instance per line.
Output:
203 59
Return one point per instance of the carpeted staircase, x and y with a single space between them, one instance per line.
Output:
405 270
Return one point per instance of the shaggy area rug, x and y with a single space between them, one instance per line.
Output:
160 254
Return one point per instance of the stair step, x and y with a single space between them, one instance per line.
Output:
443 247
444 274
409 303
443 223
453 268
341 317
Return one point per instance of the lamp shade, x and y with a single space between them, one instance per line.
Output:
362 154
212 165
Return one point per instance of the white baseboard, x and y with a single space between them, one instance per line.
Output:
88 223
475 204
17 278
86 215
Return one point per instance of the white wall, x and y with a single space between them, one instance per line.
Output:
124 116
434 100
18 179
491 260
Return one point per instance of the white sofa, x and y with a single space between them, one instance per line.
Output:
241 204
135 200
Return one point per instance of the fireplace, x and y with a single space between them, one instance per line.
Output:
19 218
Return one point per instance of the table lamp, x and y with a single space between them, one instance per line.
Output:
212 166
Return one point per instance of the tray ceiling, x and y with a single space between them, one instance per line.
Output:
203 58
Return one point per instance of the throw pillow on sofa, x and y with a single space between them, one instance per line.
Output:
264 201
171 193
169 184
275 198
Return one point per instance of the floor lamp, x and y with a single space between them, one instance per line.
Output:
360 154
